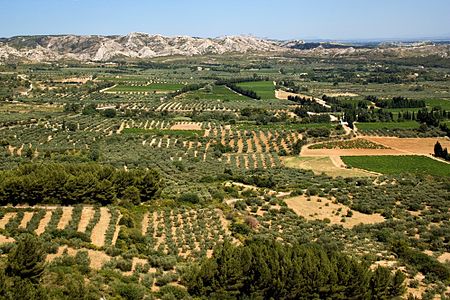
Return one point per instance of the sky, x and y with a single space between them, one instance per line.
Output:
277 19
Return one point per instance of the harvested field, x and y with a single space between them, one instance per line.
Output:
422 146
321 208
330 165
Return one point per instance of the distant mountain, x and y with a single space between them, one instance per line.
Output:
142 46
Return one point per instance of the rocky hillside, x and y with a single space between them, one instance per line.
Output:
142 45
133 45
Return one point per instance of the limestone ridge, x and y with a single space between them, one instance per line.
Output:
143 46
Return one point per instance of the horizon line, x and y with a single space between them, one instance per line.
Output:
305 39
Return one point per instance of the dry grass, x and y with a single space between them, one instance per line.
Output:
330 165
98 258
321 208
422 146
187 126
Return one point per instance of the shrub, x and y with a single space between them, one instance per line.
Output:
190 198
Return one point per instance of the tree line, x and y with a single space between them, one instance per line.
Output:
399 102
266 269
69 184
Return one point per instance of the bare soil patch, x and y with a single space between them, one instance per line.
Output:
65 217
331 165
6 218
26 218
187 126
86 215
44 222
341 94
444 257
98 258
116 232
145 221
321 208
99 230
5 239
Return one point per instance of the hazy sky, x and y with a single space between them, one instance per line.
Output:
280 19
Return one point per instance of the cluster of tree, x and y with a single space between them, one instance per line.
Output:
371 115
441 152
319 132
297 147
255 77
266 269
205 116
262 116
424 263
433 117
72 107
291 86
339 105
69 184
302 112
399 102
309 104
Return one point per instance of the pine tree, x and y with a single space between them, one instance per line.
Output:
397 287
24 268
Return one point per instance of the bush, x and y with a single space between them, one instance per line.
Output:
130 291
190 198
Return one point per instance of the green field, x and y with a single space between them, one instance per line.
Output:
217 93
388 125
154 87
393 165
443 103
264 89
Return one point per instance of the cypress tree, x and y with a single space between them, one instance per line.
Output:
438 151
